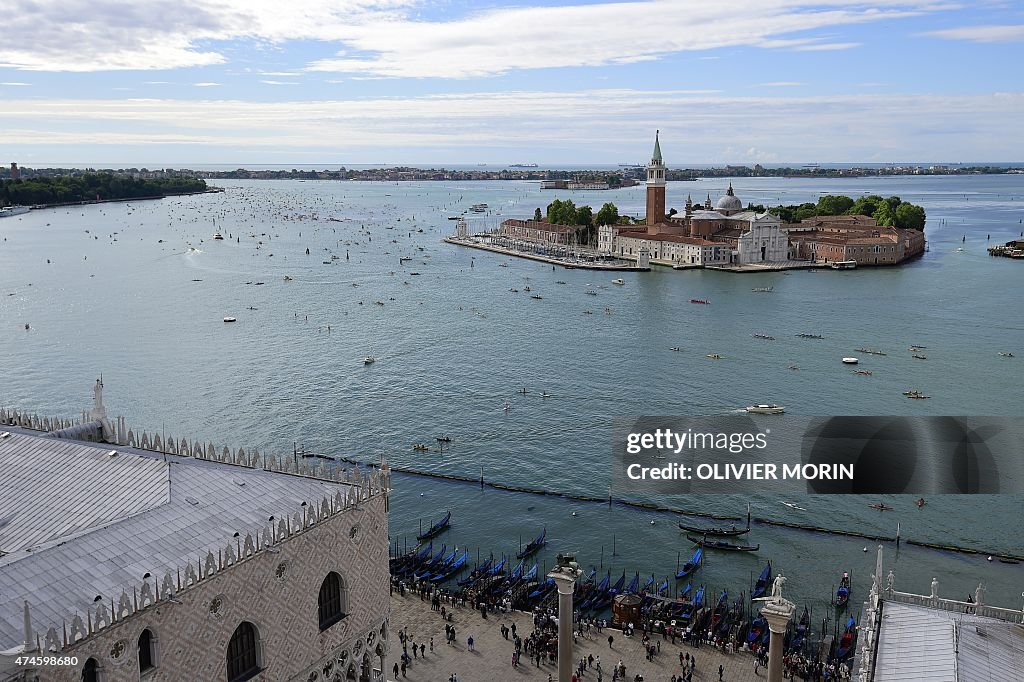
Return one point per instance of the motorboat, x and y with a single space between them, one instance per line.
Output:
619 281
771 408
8 211
713 356
850 361
700 300
919 357
369 360
844 265
766 337
762 290
229 319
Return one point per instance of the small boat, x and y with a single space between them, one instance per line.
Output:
722 545
713 356
1006 355
763 336
862 372
534 546
880 506
793 505
287 278
800 634
846 643
218 236
229 319
590 293
870 351
536 296
919 357
844 265
920 502
762 290
850 361
691 566
843 593
619 281
444 439
420 447
761 586
771 408
369 360
700 300
439 527
918 396
514 290
675 349
810 336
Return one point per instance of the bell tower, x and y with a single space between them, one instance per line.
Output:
656 185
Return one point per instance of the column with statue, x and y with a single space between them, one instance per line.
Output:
778 612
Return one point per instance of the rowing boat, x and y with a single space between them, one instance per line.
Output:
721 544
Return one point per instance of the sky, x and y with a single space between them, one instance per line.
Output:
344 82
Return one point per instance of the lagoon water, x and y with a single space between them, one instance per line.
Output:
454 344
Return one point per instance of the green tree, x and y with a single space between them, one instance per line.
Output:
910 216
607 215
883 214
865 205
584 216
562 212
804 211
831 204
536 214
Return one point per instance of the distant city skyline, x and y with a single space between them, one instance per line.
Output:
395 82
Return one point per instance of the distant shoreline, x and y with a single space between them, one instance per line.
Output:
85 202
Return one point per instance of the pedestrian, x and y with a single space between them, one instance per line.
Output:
721 671
610 640
431 645
396 671
423 649
469 643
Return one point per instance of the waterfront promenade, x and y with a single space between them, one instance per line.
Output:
491 658
569 263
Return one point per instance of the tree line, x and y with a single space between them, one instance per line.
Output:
90 187
565 212
887 212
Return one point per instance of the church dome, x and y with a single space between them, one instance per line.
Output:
729 202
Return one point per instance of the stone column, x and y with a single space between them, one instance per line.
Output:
565 574
778 613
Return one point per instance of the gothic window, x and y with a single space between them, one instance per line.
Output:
242 657
90 671
332 600
147 658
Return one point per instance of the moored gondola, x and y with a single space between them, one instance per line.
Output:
534 546
843 593
722 545
691 566
845 647
761 586
439 527
800 634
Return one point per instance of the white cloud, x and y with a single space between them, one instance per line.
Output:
780 84
820 47
387 38
206 85
982 34
278 83
695 127
283 74
15 85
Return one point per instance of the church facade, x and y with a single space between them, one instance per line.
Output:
703 235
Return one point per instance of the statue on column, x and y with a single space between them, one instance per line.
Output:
780 580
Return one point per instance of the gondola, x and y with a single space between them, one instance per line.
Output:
634 585
800 634
843 593
847 641
691 566
698 602
597 592
451 569
729 532
721 544
721 608
498 567
479 572
439 527
761 586
757 628
534 546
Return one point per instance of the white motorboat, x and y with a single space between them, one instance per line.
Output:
8 211
369 360
229 319
850 361
218 236
619 281
771 408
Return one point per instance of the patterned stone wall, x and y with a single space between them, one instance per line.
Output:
277 592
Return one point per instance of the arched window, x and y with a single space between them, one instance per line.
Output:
332 600
243 658
90 671
147 652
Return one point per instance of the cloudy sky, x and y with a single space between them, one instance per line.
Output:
334 82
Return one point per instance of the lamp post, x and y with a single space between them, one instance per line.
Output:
565 573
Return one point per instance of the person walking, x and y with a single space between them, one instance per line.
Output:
721 671
469 643
610 640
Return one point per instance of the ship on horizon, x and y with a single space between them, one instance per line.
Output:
523 165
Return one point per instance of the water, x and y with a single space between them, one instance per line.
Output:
454 345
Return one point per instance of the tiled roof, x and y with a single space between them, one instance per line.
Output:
85 523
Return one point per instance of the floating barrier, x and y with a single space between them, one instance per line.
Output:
830 531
